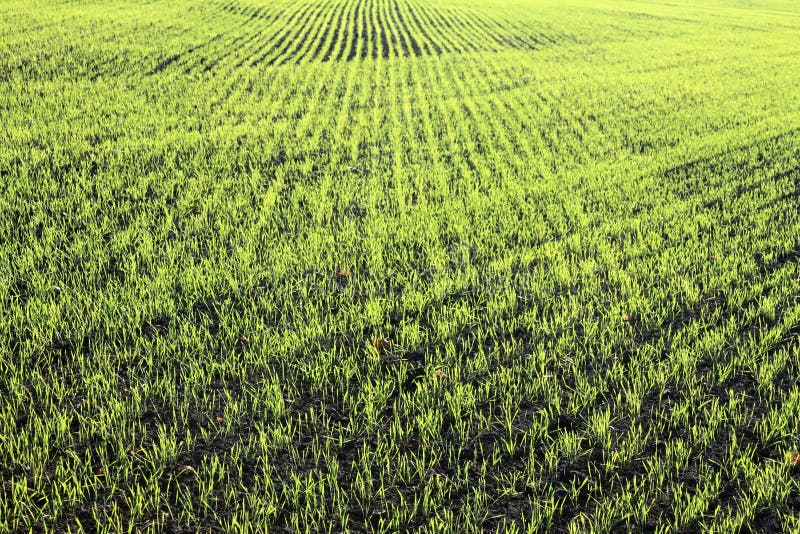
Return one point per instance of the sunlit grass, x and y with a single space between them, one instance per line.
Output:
393 265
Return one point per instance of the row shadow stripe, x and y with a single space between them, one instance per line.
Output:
348 30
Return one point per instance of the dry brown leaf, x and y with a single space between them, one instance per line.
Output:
187 469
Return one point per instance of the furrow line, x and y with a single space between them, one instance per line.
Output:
314 125
450 26
436 33
297 36
304 43
492 33
377 35
323 37
352 52
405 40
347 31
333 35
405 27
310 42
429 44
255 27
280 36
470 33
396 46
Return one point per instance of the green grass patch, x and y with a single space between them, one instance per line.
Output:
391 265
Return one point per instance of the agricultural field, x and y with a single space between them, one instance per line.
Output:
399 265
